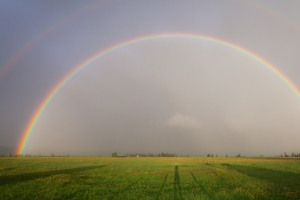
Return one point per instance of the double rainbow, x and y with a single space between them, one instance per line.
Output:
42 106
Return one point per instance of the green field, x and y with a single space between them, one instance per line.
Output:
149 178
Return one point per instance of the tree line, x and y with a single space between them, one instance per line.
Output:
292 155
163 154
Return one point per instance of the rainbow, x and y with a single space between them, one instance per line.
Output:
42 106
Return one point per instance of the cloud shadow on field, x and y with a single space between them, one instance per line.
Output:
281 180
265 174
10 179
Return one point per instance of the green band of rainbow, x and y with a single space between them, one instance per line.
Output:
33 120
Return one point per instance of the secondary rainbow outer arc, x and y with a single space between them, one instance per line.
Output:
29 45
33 120
15 58
271 13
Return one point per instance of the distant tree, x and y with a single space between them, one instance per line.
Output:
212 155
114 154
208 155
226 155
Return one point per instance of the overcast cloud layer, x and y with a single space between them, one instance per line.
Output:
176 95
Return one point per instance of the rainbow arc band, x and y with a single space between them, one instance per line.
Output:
42 106
43 34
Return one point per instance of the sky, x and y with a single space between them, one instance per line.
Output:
182 95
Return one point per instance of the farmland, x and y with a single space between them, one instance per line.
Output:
149 178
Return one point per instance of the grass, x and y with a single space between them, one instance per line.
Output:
149 178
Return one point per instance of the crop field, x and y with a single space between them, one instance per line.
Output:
149 178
